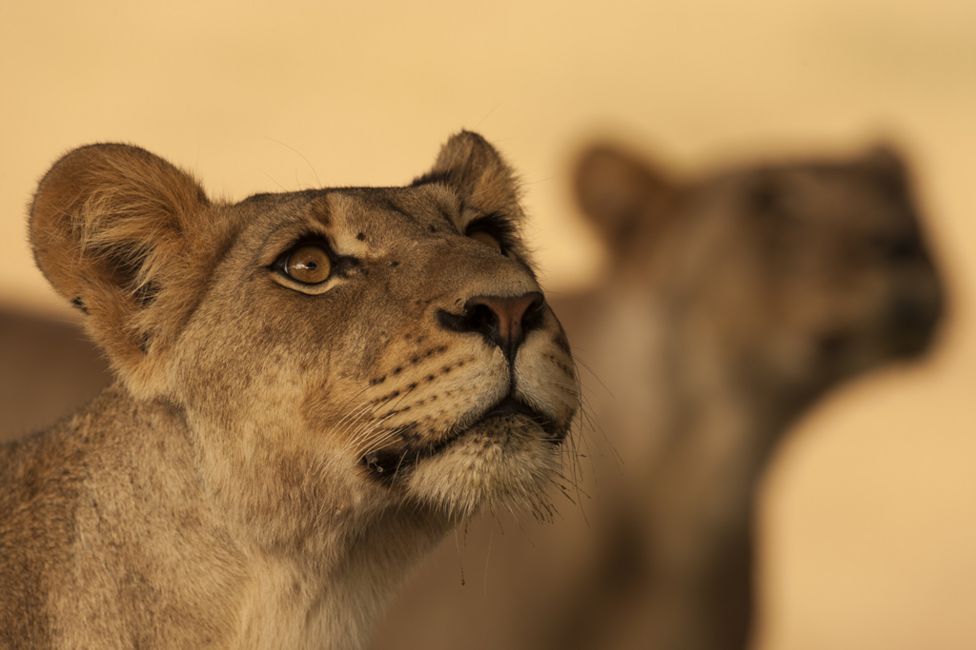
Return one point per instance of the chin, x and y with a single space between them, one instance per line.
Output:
505 462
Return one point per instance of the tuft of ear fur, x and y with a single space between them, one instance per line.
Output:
110 226
479 175
621 193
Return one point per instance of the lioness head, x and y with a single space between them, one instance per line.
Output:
335 352
793 274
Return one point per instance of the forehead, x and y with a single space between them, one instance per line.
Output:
374 212
842 196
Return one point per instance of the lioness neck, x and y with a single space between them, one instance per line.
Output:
137 552
695 446
711 435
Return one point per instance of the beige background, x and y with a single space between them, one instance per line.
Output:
870 514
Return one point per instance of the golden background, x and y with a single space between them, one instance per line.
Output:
869 521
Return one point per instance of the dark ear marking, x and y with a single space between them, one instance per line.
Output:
260 197
430 178
79 304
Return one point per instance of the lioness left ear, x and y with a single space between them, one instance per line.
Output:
623 194
117 231
476 171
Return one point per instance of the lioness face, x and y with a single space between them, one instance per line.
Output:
800 273
393 332
363 348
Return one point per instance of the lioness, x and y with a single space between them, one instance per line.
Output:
759 288
733 300
312 387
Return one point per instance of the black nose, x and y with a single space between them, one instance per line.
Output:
502 320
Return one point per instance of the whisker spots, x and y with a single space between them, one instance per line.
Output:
562 365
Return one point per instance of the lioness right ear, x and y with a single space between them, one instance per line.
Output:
621 194
479 175
110 226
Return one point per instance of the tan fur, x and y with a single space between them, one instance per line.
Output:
229 490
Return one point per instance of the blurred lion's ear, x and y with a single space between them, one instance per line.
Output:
887 163
478 174
115 230
622 194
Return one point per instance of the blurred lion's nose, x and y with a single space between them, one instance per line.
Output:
502 320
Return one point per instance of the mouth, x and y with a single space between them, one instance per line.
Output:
386 464
511 405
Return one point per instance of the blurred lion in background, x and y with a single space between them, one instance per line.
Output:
733 301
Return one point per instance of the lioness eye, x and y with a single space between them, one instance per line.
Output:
308 264
494 231
487 239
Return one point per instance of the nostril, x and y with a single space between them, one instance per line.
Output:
533 313
481 317
502 320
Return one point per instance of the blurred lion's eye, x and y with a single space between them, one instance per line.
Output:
487 239
308 264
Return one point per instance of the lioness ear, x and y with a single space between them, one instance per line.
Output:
622 194
887 164
109 226
476 171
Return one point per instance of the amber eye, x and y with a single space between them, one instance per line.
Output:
308 264
487 239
